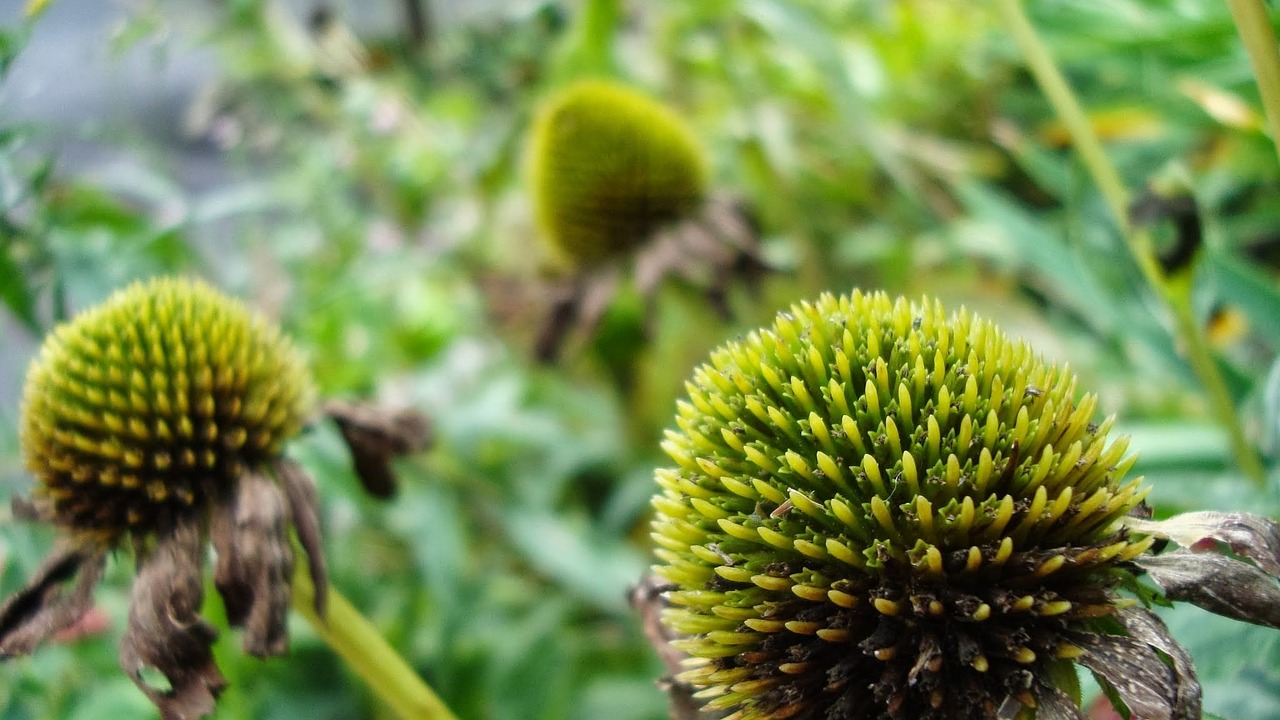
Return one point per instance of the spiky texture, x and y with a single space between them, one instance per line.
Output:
607 166
880 511
143 409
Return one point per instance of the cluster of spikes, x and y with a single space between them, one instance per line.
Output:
151 406
157 421
878 510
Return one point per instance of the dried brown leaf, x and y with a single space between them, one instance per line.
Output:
45 606
1252 536
304 506
1145 626
255 563
1053 704
375 435
167 634
1141 679
1219 584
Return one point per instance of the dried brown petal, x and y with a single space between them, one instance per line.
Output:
304 506
42 608
166 632
1248 535
1133 669
1053 704
1010 709
255 563
376 435
1217 583
577 304
1147 627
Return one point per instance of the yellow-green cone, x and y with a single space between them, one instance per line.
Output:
607 166
139 411
882 511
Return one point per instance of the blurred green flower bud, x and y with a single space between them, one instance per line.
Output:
607 167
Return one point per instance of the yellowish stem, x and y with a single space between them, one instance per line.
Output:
367 654
1259 38
1176 298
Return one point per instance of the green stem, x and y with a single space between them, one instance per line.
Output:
367 654
1069 110
1259 39
1205 366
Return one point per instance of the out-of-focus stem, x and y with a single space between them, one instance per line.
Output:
1259 38
357 641
1072 115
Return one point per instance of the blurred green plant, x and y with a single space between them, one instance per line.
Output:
375 208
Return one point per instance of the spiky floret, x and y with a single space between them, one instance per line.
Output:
140 411
881 511
607 166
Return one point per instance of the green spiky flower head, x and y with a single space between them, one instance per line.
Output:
142 410
878 510
607 166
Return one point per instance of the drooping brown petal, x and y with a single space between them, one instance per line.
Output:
1133 669
304 506
44 607
376 435
1248 535
1219 584
167 634
577 304
646 598
1010 709
1145 626
254 571
1053 704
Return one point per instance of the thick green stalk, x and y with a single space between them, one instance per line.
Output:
1259 38
1069 110
367 654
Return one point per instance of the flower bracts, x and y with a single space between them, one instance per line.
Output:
882 511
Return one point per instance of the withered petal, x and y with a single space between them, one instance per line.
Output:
1147 627
165 630
254 570
1252 536
1053 704
304 506
1133 669
578 304
375 435
41 608
1217 583
1010 709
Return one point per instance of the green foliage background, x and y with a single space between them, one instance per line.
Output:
375 208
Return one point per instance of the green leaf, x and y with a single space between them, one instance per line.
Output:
15 293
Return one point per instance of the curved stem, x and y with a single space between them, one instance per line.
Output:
1259 39
1176 298
357 641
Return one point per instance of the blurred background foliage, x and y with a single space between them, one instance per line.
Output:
367 193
